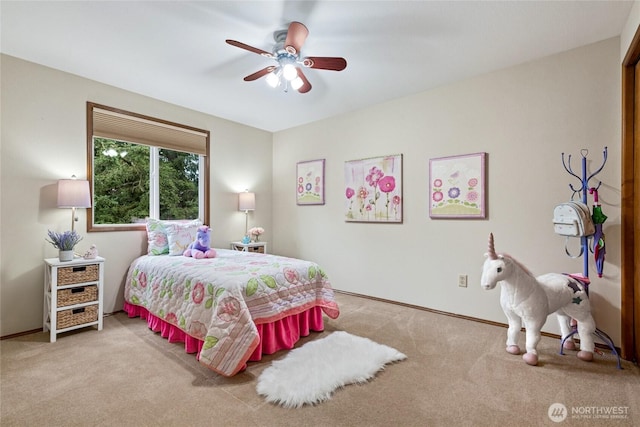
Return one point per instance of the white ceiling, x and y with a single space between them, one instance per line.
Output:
175 51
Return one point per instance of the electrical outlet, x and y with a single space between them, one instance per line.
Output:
462 280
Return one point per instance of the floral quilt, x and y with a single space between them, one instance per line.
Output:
220 300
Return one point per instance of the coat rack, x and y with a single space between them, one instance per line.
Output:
583 189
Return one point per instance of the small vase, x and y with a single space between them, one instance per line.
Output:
65 255
257 238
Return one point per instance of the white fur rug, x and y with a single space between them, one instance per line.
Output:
310 374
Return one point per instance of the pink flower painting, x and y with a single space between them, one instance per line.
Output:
378 182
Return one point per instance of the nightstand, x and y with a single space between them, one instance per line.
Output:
257 247
73 294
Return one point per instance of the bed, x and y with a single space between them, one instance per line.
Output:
230 309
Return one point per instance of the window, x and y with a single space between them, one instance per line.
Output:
143 167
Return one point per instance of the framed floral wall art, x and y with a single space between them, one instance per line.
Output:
457 186
373 189
310 182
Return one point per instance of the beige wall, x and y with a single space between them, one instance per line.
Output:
629 30
43 140
524 117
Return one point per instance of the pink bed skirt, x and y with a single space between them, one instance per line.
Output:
280 335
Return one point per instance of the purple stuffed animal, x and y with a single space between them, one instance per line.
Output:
200 247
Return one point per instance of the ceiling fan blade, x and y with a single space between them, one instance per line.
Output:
250 48
325 63
296 35
306 86
258 74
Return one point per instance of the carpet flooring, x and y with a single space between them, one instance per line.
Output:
457 373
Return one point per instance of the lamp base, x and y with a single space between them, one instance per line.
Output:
74 218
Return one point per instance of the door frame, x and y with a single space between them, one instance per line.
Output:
630 189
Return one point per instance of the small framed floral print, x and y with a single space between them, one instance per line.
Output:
457 186
310 182
373 189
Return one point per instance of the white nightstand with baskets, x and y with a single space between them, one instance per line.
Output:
256 247
73 294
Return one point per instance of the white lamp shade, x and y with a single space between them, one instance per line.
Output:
246 201
73 193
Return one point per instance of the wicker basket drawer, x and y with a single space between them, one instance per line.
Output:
77 316
71 296
256 249
78 274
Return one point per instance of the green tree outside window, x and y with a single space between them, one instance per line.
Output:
122 177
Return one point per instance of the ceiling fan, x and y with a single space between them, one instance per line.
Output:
286 52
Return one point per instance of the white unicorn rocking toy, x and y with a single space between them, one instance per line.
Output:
528 300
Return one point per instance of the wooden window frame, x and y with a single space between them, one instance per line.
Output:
195 141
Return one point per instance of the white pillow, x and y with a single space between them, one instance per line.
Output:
180 236
157 238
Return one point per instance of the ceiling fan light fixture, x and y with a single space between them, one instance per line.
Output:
272 79
296 83
289 72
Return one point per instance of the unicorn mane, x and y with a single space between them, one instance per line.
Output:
519 264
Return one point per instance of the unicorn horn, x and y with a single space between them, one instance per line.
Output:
492 250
